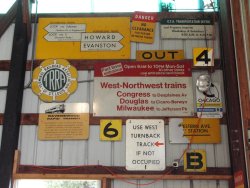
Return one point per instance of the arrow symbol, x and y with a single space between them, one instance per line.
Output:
158 143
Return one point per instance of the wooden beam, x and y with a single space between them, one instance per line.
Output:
236 142
12 114
32 119
8 18
89 64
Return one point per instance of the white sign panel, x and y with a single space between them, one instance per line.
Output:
143 89
145 144
209 104
187 29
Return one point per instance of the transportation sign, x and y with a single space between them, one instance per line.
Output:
209 104
195 161
143 27
159 55
83 38
194 130
145 144
179 28
110 129
143 89
63 121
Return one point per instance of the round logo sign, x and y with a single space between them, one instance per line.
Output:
54 80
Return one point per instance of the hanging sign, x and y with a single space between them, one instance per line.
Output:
178 28
195 161
194 130
54 80
145 144
209 104
143 89
203 57
83 38
159 55
63 121
143 27
110 129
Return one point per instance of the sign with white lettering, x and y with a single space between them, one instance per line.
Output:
175 28
54 80
209 104
63 121
78 38
194 130
145 144
143 27
143 89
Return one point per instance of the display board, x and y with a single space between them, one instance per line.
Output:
143 89
83 38
63 121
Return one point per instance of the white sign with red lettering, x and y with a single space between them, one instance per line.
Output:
145 144
143 89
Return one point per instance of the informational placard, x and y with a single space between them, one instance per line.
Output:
143 27
54 80
159 55
203 56
143 89
179 28
145 144
194 130
83 38
209 104
195 161
110 129
63 121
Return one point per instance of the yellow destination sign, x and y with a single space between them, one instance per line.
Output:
194 130
54 80
110 129
159 55
203 57
83 38
195 161
65 121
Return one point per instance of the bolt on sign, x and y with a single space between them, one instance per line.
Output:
194 130
143 27
54 80
110 129
145 144
63 121
143 89
159 55
203 57
209 104
83 38
178 28
195 161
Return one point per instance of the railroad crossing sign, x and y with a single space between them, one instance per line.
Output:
145 144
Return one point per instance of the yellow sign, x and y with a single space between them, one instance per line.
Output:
65 121
143 27
203 57
54 80
194 130
110 129
159 55
195 161
84 38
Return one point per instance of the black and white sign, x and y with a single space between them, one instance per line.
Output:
145 144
